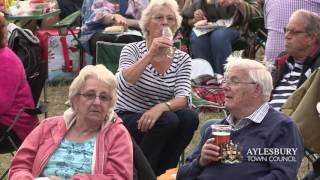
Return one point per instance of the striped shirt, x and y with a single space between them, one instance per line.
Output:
287 86
152 88
277 14
255 117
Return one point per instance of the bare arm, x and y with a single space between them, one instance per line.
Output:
132 73
133 23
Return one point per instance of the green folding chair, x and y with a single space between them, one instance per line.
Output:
68 23
108 54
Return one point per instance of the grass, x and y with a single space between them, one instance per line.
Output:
57 95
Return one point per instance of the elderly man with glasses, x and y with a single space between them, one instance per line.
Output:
276 15
265 144
301 58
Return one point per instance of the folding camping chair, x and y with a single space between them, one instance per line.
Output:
108 54
301 107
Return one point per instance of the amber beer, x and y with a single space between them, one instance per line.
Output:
221 134
221 138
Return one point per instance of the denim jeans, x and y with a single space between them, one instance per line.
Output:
215 46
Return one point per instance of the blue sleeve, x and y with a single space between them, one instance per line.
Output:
191 169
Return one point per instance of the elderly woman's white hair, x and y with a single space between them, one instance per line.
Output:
147 13
101 73
258 73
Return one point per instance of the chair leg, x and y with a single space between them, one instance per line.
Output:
4 174
13 144
81 56
182 158
45 96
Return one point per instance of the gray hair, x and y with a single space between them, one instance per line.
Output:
258 73
311 22
101 73
147 13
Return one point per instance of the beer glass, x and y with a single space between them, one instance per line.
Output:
221 134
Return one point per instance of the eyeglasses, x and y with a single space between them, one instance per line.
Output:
170 19
292 31
91 96
233 82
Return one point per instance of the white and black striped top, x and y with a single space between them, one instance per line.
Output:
152 88
287 86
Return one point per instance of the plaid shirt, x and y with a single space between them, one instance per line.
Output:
255 117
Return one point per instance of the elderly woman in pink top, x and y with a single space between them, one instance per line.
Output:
15 94
88 142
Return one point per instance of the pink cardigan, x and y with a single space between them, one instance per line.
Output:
15 93
112 159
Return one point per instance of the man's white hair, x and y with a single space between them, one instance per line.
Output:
258 73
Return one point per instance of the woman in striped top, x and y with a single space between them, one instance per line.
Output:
154 89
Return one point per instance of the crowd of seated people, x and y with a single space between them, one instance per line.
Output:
216 45
99 14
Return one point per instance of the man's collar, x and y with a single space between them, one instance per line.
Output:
315 52
256 117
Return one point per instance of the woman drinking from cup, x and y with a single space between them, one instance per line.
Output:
154 92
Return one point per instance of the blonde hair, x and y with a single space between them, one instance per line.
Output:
147 13
258 73
101 73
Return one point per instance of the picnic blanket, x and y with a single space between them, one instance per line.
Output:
207 93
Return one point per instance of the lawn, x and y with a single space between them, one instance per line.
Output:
57 95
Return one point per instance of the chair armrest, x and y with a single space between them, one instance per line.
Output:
68 21
256 23
40 109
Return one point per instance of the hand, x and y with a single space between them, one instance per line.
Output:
199 15
209 153
159 46
227 3
149 118
117 19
